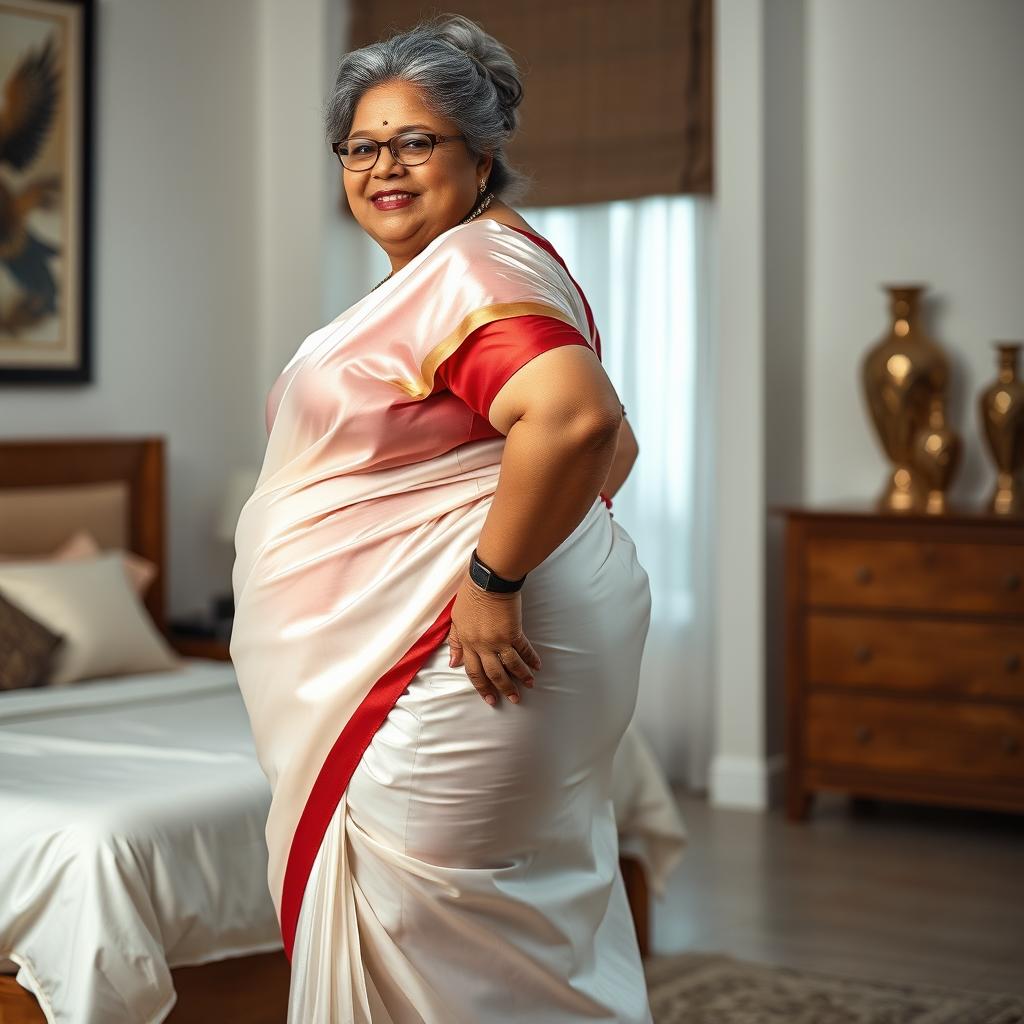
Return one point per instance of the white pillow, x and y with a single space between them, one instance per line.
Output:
141 571
107 629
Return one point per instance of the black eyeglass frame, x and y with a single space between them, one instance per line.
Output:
435 140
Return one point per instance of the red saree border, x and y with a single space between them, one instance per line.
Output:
339 765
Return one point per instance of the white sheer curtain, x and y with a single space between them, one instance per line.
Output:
642 265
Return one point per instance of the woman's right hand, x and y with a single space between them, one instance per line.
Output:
487 637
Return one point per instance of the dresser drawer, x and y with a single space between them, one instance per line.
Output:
921 738
918 575
968 659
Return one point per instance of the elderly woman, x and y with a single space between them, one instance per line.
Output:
438 624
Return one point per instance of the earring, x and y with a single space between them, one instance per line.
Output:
483 185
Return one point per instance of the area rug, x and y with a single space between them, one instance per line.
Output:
708 988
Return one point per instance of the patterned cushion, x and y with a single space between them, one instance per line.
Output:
27 648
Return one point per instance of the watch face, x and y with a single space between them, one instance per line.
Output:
479 575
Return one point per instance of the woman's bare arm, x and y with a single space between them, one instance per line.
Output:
561 418
625 455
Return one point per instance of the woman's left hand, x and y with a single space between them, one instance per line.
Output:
487 637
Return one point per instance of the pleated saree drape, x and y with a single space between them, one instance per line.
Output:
372 494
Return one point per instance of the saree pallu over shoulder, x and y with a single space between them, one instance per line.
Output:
350 551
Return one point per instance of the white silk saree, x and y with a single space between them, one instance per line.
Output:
349 554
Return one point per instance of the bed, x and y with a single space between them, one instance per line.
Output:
132 863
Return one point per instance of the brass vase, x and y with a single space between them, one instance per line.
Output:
936 455
1001 406
900 374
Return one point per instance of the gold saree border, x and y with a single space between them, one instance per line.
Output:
419 389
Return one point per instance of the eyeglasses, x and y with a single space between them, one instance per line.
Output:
409 148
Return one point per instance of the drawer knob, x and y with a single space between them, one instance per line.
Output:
1013 581
1012 662
863 734
1011 744
863 654
864 574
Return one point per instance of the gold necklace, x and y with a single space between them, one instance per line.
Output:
477 210
484 203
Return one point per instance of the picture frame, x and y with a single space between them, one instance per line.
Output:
46 104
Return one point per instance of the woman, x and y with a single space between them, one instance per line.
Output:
441 836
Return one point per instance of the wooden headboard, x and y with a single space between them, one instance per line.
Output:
112 487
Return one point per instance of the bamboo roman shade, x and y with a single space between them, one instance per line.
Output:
617 93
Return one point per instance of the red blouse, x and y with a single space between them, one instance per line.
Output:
478 369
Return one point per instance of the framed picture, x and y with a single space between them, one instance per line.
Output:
46 96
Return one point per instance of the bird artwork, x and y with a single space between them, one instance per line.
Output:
27 114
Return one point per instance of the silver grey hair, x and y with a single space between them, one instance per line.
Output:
466 76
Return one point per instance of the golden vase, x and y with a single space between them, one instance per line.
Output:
1001 406
900 374
936 455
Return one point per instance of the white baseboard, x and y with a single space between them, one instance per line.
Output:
746 783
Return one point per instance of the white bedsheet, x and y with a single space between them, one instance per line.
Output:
131 837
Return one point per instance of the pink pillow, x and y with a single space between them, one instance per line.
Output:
140 571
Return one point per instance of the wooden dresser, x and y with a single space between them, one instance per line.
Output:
904 657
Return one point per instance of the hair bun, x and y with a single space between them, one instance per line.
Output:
490 57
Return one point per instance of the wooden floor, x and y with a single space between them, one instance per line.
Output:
884 892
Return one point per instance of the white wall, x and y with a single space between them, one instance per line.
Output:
174 258
353 262
857 143
300 42
737 774
915 172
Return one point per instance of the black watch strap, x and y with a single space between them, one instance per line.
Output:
487 579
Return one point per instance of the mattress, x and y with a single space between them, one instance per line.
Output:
132 814
131 839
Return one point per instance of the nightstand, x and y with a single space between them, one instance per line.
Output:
190 646
200 638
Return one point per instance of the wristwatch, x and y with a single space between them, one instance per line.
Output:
487 579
